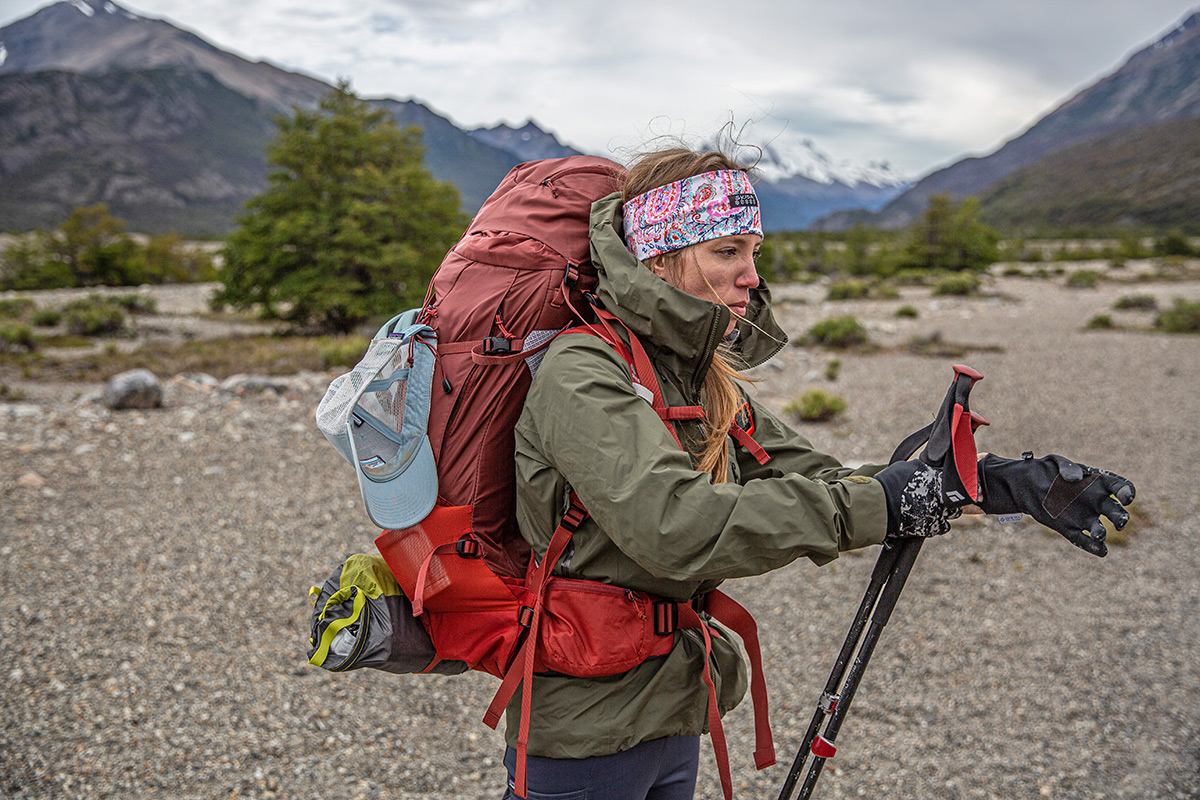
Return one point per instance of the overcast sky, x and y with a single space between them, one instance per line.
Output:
919 83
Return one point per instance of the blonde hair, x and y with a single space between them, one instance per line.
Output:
719 395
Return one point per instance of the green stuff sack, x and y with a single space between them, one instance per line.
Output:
362 619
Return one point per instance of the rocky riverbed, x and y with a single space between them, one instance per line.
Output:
156 565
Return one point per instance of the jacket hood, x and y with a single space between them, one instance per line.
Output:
667 318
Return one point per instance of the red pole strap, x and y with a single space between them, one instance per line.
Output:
688 618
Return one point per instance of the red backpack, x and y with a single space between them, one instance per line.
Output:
501 295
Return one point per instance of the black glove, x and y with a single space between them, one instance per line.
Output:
915 502
1058 493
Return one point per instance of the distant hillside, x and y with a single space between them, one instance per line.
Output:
1143 176
166 128
167 149
1157 84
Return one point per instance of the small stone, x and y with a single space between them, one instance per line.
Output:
137 388
31 480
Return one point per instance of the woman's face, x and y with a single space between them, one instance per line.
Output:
722 271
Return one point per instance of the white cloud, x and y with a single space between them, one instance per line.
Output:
917 83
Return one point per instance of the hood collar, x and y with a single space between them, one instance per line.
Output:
667 318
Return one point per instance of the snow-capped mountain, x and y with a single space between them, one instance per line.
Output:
789 157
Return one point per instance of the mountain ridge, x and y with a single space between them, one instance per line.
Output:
92 38
1159 83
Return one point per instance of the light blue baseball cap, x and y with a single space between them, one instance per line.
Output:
377 417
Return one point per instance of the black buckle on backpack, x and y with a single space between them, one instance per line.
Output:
496 346
572 276
666 617
525 616
467 547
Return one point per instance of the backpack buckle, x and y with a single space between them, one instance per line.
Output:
666 617
496 346
468 547
525 616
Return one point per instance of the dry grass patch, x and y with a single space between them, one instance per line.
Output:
263 355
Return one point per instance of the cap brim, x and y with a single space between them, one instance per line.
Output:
408 496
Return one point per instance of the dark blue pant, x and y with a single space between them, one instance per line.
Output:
661 769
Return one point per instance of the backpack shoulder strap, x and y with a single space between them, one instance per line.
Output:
645 382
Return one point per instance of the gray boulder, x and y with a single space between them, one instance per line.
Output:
137 388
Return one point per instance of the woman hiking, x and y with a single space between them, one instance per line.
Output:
738 493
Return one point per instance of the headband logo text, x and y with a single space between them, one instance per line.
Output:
736 200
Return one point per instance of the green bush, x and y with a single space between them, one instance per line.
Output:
93 316
848 290
816 406
837 332
16 307
1144 302
960 283
1173 244
1183 318
344 351
833 369
46 317
1101 322
1083 279
14 335
907 311
135 303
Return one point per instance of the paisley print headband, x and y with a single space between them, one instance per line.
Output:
691 211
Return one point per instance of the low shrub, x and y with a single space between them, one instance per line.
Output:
1183 318
93 317
16 336
1100 322
884 291
16 307
848 290
837 332
959 283
816 405
1144 302
135 303
907 311
1083 279
46 317
344 351
833 369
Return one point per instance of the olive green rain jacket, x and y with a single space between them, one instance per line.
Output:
657 525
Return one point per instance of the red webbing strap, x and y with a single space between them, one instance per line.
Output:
733 615
688 618
643 372
743 438
418 600
521 670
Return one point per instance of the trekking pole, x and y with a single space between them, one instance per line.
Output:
887 581
951 446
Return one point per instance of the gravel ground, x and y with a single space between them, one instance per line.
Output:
156 564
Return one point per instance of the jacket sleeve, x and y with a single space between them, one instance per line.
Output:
584 417
789 452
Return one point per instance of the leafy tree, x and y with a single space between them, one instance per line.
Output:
351 225
951 237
